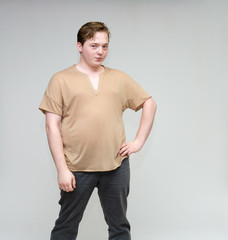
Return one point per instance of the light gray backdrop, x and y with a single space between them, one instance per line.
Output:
177 50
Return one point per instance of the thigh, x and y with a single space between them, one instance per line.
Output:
116 179
73 205
76 201
113 190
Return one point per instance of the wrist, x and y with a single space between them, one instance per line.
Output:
140 141
61 169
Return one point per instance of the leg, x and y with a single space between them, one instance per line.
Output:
73 205
113 189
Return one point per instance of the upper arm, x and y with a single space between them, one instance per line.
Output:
135 95
52 119
150 103
53 97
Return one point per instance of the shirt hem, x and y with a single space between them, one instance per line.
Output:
98 170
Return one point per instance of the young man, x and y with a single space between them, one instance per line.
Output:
83 105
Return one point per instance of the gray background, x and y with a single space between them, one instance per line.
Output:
177 50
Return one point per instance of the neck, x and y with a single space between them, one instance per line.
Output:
81 66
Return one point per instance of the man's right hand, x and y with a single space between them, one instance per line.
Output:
66 181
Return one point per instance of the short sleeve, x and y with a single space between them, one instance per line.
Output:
52 100
135 94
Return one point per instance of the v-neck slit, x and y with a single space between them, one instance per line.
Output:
94 90
100 80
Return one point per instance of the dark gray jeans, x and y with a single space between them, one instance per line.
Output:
113 189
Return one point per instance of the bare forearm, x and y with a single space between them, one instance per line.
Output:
147 119
56 147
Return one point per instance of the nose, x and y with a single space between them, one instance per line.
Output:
100 50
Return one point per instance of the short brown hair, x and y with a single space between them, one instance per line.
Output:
88 30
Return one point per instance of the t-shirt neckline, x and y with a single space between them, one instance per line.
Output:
95 91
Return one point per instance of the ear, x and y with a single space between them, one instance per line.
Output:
79 46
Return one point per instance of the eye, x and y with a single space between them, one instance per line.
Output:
105 47
93 46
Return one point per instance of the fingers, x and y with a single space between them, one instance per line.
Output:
68 186
123 145
73 182
125 150
131 147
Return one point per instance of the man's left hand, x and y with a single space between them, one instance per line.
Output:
130 147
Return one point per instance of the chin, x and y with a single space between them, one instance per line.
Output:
97 64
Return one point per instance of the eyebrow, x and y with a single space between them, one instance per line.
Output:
99 44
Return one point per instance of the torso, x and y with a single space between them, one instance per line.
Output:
92 127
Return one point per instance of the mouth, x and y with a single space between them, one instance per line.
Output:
99 59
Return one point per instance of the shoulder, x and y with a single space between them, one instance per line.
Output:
65 72
116 73
63 76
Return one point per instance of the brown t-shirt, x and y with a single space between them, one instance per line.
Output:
92 128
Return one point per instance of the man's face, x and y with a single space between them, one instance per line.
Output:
95 50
